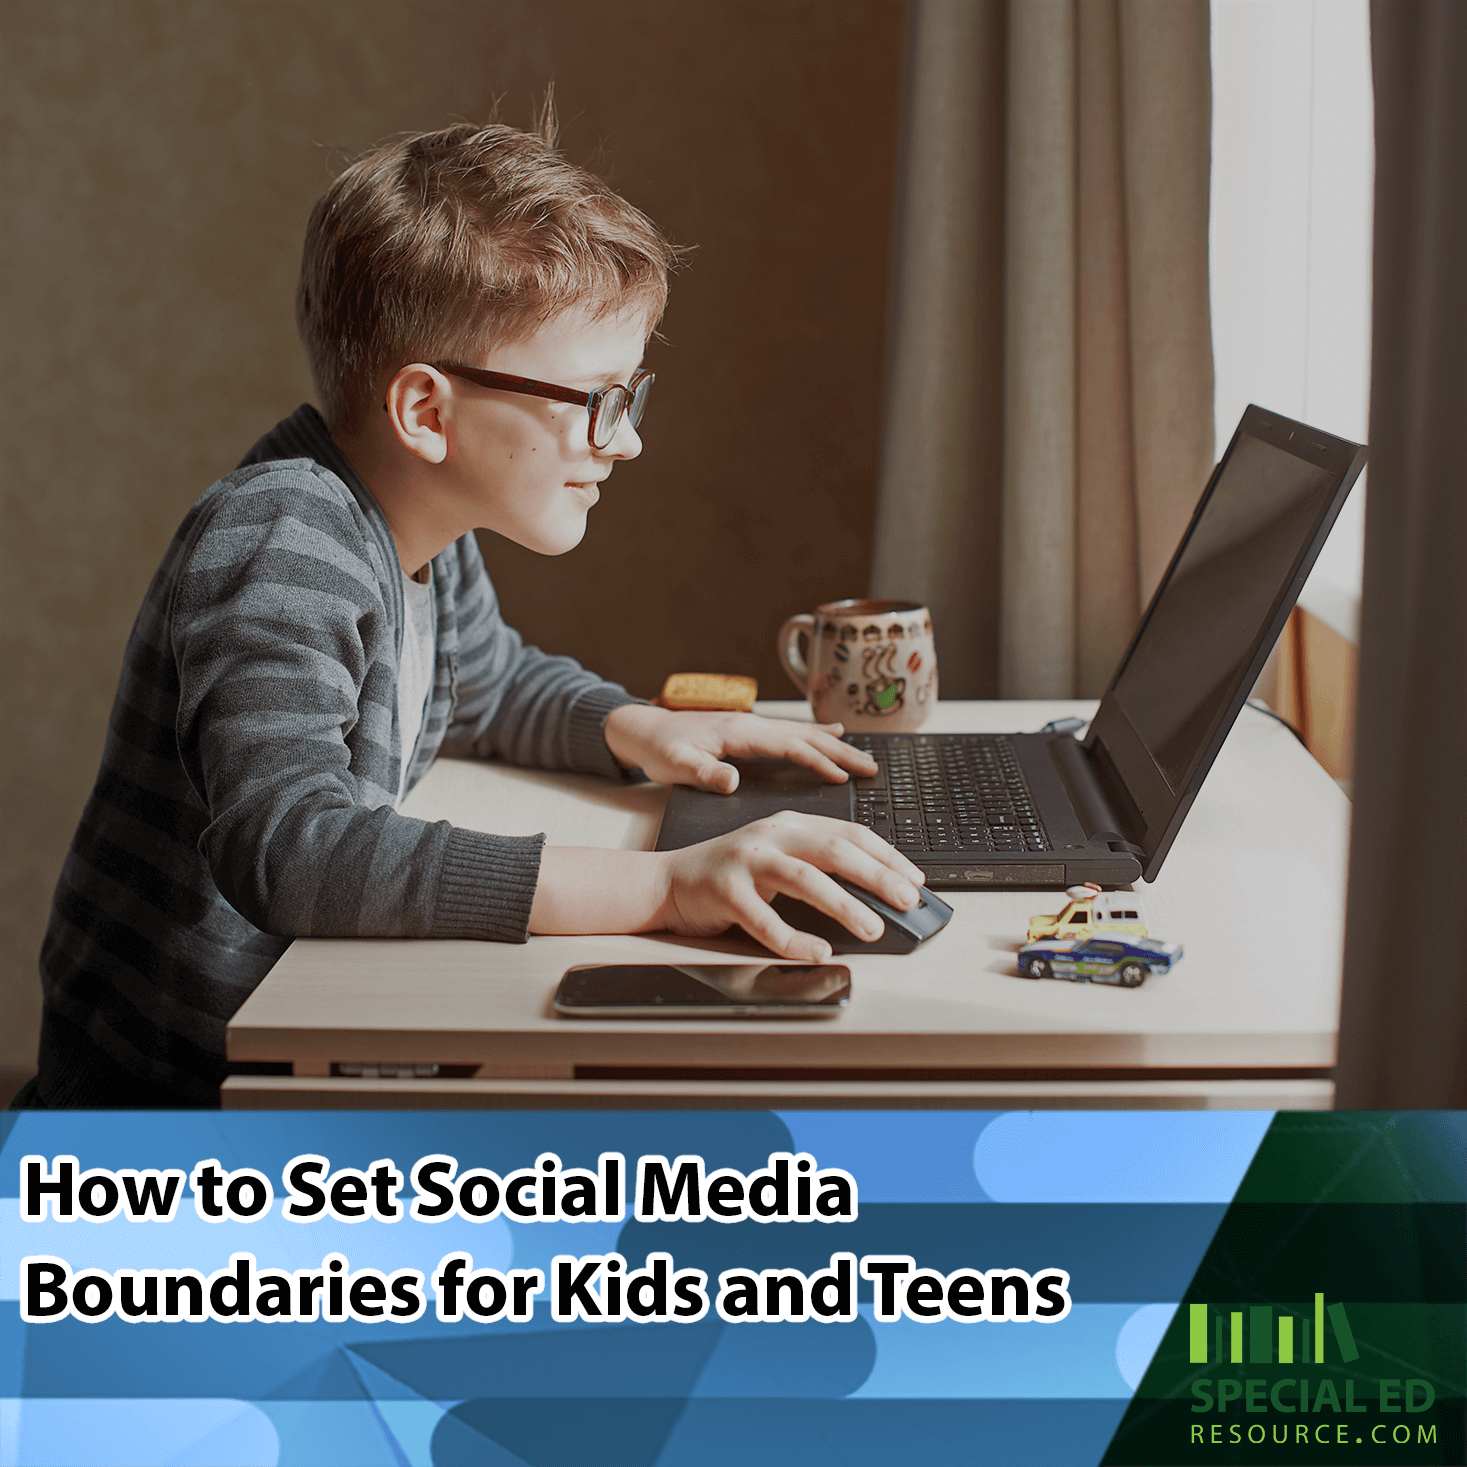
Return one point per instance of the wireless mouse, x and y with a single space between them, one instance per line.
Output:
904 930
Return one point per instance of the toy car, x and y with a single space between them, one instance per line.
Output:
1088 912
1126 961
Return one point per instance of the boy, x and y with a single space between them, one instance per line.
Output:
474 310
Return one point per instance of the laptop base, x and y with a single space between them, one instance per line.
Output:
1083 838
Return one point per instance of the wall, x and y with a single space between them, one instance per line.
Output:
159 160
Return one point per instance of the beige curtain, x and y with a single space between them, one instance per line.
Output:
1049 402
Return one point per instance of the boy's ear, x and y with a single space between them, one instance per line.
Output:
415 404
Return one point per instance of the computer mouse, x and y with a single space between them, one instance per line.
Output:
904 932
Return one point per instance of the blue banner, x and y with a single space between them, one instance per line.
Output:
433 1289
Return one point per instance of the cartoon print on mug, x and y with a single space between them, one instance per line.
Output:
878 664
926 682
884 690
885 699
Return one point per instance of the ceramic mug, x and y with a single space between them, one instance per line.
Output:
867 664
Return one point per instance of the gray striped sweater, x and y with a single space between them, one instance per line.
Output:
247 784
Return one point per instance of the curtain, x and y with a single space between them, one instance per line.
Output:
1048 421
1403 1020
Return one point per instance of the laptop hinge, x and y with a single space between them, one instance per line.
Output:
1101 806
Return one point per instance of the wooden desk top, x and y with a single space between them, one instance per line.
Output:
1254 889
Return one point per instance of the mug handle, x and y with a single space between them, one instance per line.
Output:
788 643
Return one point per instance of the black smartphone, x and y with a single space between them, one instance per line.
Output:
697 991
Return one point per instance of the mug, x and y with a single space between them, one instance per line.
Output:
869 665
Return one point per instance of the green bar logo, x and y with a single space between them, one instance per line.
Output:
1265 1344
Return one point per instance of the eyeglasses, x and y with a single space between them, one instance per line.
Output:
606 405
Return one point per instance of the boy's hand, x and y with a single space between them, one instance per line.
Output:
688 748
709 887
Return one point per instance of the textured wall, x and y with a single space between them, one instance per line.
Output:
159 160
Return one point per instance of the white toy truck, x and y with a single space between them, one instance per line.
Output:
1089 911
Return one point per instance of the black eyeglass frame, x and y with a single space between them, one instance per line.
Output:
630 397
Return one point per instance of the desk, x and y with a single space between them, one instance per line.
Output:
1254 888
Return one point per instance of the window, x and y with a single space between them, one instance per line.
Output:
1293 161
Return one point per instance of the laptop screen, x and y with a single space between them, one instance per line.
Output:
1201 635
1214 619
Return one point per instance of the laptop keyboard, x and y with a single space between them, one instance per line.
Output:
948 792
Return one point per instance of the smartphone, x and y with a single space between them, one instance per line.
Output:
694 991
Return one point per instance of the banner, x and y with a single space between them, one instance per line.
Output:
430 1289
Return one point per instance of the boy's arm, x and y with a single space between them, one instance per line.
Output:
703 889
283 728
531 708
515 701
283 717
691 747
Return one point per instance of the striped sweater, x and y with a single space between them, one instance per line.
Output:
247 785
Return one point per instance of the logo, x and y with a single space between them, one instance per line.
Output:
1264 1348
1319 1408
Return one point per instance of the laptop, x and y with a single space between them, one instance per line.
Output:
1038 810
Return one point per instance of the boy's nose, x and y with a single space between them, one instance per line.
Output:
625 442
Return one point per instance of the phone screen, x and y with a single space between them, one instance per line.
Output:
649 988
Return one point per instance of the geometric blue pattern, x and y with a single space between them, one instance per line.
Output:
559 1395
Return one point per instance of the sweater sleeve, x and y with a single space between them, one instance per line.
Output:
285 655
515 701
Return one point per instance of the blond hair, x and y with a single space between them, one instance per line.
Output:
444 244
